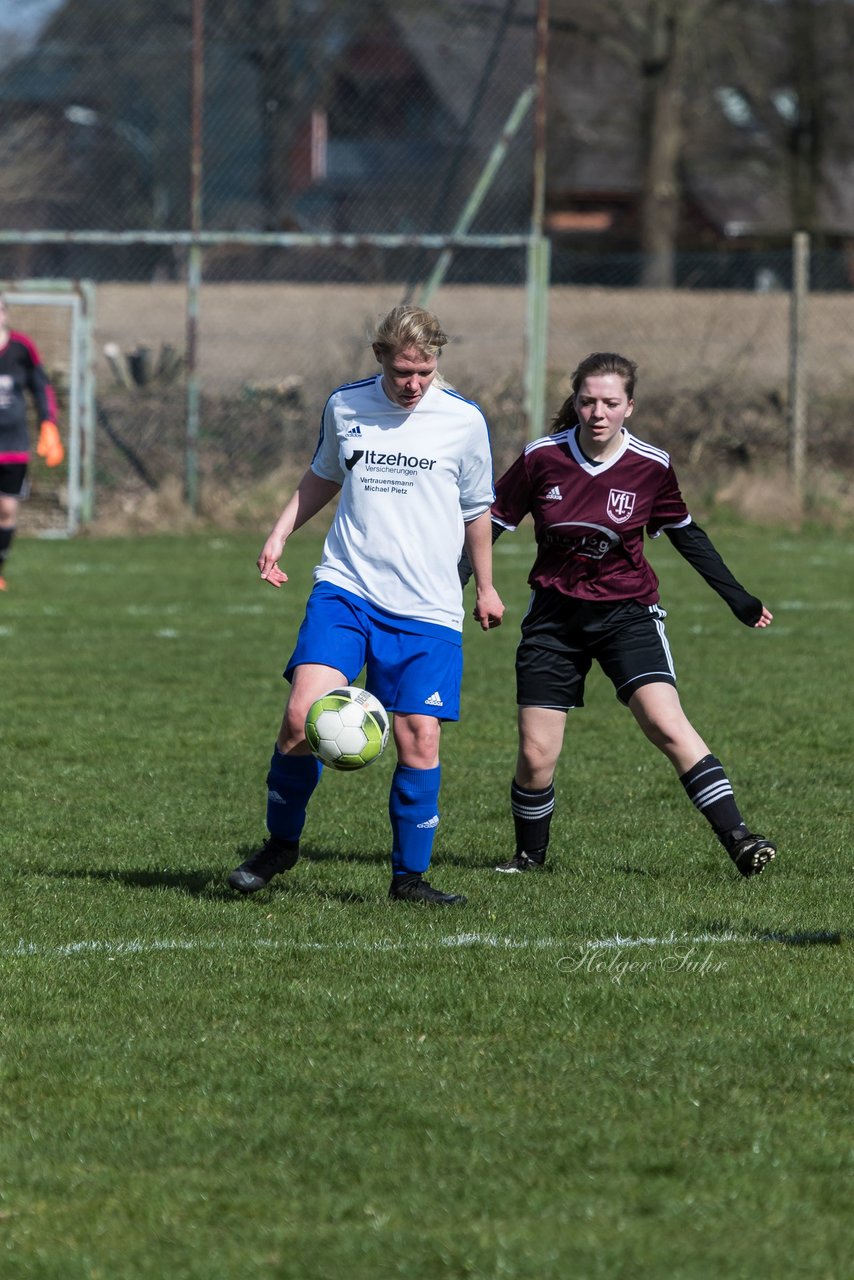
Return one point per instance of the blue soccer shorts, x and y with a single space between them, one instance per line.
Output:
411 672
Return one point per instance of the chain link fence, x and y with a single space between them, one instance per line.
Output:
715 386
269 354
315 116
351 156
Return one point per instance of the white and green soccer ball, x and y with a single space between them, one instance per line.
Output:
347 728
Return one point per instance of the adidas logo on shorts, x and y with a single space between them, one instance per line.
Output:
434 700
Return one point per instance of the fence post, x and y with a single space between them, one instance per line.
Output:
87 508
539 247
191 429
798 362
194 265
536 334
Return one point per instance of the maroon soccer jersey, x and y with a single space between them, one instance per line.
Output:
589 518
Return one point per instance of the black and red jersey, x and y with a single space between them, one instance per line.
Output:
590 517
21 371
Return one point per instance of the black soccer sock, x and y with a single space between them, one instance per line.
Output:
710 791
6 536
532 817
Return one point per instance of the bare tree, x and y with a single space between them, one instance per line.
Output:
292 47
295 48
787 65
649 61
663 67
667 43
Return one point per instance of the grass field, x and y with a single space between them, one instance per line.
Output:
633 1066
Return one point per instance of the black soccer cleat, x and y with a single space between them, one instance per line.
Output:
521 862
257 872
752 853
413 889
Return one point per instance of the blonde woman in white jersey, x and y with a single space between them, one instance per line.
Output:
412 462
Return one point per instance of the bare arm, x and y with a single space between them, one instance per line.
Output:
464 565
489 608
311 495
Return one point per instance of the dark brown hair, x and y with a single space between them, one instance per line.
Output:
593 366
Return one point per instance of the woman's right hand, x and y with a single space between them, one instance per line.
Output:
268 561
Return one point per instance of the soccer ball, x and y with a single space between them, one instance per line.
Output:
347 728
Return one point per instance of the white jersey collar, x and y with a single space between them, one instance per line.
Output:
596 468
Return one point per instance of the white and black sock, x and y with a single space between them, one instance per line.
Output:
710 791
532 817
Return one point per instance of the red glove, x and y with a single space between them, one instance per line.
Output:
50 446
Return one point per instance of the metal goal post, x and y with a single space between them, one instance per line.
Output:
59 317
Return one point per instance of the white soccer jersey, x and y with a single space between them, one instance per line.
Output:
410 479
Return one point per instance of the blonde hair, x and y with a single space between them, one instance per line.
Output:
408 326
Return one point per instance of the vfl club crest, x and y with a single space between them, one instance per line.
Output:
620 505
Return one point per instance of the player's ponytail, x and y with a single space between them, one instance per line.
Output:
566 417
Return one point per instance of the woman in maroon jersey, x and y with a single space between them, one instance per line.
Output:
21 371
593 489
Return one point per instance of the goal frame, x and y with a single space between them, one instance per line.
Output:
78 298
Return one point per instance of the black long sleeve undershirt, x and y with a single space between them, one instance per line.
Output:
695 546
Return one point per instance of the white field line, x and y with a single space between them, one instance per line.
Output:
487 940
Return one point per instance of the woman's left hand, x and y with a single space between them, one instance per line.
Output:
489 609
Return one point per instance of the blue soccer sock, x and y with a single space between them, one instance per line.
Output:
413 809
290 785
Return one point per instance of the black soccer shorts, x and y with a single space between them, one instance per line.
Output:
561 637
13 480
